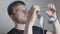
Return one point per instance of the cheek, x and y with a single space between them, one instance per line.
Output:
20 15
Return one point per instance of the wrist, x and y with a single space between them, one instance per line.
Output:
52 19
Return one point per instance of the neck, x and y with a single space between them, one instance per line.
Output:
20 26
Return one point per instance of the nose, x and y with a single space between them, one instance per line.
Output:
25 13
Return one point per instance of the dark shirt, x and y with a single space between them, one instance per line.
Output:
36 30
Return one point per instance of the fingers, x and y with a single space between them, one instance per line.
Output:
32 11
37 10
51 7
51 10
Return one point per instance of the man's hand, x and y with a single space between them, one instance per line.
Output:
31 16
51 10
33 12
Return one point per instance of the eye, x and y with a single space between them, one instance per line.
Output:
17 10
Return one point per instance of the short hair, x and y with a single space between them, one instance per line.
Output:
13 4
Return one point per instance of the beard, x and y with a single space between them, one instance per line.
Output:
21 20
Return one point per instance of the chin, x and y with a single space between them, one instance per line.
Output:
23 21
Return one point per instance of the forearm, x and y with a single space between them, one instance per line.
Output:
26 28
57 27
31 19
56 24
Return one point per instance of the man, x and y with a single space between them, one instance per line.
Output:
22 18
18 14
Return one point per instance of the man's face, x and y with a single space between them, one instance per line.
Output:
20 14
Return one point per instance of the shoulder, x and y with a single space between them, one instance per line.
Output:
11 31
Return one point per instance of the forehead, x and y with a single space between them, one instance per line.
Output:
20 7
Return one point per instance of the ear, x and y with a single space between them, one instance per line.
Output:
11 16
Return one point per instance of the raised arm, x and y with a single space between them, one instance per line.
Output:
32 14
51 12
